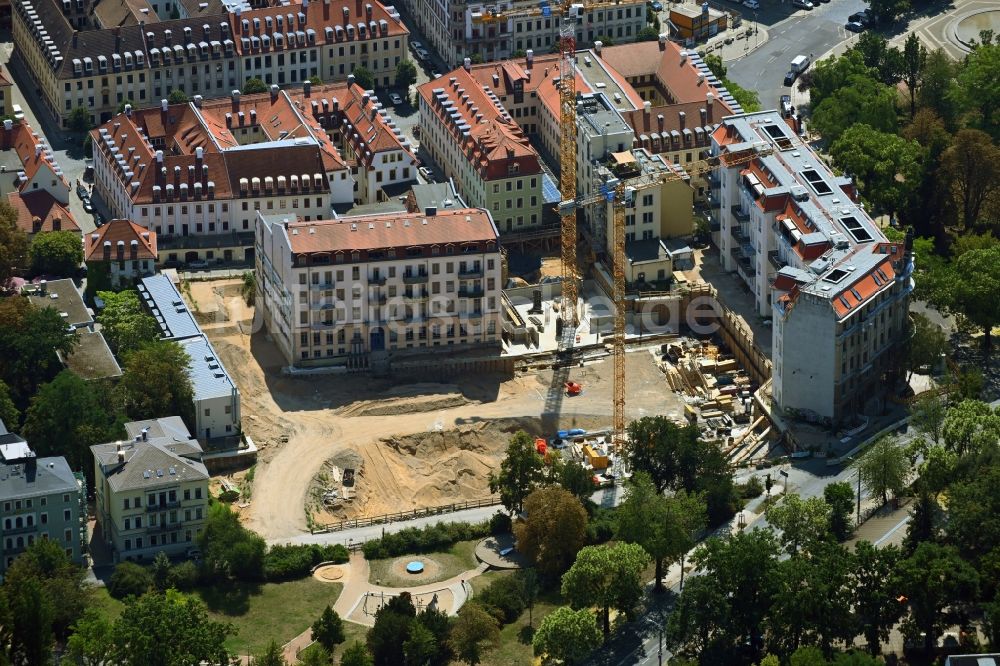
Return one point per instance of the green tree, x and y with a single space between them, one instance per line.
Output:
970 166
228 548
977 84
79 120
832 74
914 62
884 468
863 101
30 337
391 628
970 426
803 522
364 78
974 513
90 642
66 417
177 97
925 519
840 498
13 245
31 632
328 629
553 530
155 382
406 74
474 631
315 656
61 580
249 288
887 166
420 646
968 242
748 99
926 344
880 58
647 34
937 470
875 608
927 414
968 286
254 86
123 103
152 621
272 655
9 414
934 578
57 253
664 527
577 479
161 571
606 576
520 472
566 636
356 654
721 612
438 624
129 580
124 323
939 89
886 11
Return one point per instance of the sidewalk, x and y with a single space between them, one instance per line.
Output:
744 40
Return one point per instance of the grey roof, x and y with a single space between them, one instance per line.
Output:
644 250
439 195
150 464
164 302
209 378
34 478
3 428
92 358
14 447
168 426
974 660
65 298
597 115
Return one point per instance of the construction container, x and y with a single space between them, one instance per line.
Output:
595 459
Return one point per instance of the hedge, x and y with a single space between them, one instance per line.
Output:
424 539
288 562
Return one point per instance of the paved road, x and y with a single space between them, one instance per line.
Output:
803 32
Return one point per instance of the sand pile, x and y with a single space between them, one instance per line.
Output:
409 399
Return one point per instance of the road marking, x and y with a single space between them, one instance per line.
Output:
772 59
888 534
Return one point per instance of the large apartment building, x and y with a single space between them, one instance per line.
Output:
837 289
197 173
333 292
151 490
79 61
40 498
456 31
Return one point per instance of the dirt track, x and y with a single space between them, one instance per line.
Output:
402 432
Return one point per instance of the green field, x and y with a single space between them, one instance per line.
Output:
460 558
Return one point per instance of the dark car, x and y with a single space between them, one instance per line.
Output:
656 6
789 78
855 17
855 26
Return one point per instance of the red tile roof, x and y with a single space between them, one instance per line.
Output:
41 205
392 230
30 148
120 230
867 286
679 79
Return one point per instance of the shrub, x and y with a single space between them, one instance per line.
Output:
229 496
424 539
129 580
288 562
503 598
500 523
601 527
752 488
184 576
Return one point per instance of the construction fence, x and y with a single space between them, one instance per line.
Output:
400 516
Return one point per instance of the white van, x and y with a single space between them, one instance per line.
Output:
800 63
18 112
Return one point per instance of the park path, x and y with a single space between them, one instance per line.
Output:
357 587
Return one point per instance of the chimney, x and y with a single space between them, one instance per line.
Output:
197 101
236 100
663 42
107 250
121 250
704 116
646 107
56 223
199 153
253 116
133 250
307 87
128 110
529 57
350 79
467 64
430 211
163 105
598 45
274 92
659 121
681 117
710 104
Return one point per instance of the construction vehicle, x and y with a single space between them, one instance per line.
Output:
572 388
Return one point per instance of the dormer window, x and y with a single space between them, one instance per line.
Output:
102 63
88 65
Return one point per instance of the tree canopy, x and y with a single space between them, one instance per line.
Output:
406 74
606 576
254 85
884 468
30 337
364 77
968 286
56 253
155 382
13 245
566 636
126 326
553 530
521 471
887 166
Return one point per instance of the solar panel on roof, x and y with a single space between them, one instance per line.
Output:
550 192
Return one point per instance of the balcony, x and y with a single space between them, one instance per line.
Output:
740 214
161 527
737 233
475 314
772 258
380 299
415 278
713 180
377 279
22 529
324 286
470 292
162 506
415 297
470 273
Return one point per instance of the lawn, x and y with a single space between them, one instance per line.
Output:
106 604
271 611
515 638
458 559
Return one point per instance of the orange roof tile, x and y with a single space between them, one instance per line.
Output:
858 292
120 230
41 205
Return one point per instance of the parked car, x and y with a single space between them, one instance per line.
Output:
802 4
656 6
789 78
81 191
786 106
416 46
426 173
195 265
751 4
855 17
855 26
18 112
395 99
87 206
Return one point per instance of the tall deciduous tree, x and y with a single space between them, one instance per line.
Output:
406 74
473 632
972 166
356 654
969 286
606 576
521 471
364 78
253 86
13 245
926 344
840 498
874 604
932 579
392 626
553 530
125 325
30 337
977 78
914 61
974 514
970 426
927 414
272 655
886 165
229 548
566 636
9 414
31 630
663 526
884 468
662 449
155 382
938 88
862 101
803 522
57 253
90 642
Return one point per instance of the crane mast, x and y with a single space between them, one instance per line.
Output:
567 164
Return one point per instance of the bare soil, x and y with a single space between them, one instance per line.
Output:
418 444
